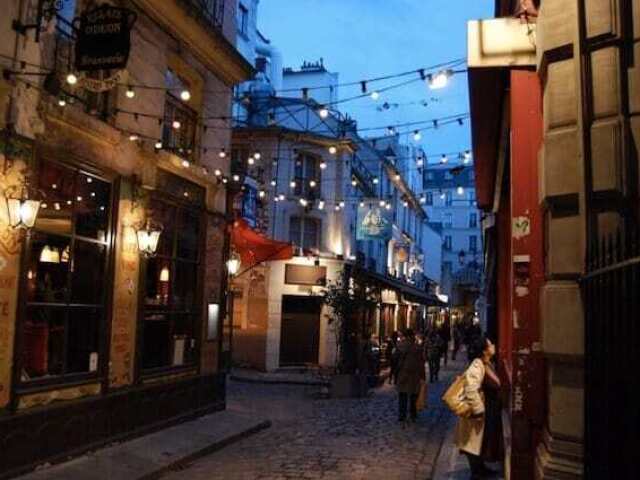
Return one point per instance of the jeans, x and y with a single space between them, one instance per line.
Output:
403 399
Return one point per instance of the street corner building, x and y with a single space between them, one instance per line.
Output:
554 96
112 284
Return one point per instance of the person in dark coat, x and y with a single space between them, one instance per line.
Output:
445 334
397 338
434 352
411 372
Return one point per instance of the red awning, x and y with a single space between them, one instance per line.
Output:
255 248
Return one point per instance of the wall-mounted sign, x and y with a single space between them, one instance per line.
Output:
305 275
374 222
103 38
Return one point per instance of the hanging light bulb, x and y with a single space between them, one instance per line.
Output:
225 180
273 183
405 204
361 204
440 79
467 156
321 205
354 182
72 79
236 177
323 112
133 137
257 155
375 95
62 102
417 136
158 145
217 172
333 150
186 164
292 184
391 130
442 196
388 206
251 161
420 162
444 158
262 194
460 190
303 202
397 177
130 93
281 197
375 180
312 183
382 203
423 199
323 165
222 153
176 125
337 208
185 95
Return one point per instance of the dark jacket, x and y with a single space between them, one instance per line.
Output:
434 346
411 369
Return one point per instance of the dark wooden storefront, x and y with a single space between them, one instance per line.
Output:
300 330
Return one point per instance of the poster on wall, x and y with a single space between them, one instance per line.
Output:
374 222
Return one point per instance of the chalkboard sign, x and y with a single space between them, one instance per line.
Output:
103 38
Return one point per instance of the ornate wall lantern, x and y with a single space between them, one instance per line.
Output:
148 237
22 203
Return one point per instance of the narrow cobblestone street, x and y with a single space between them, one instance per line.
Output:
329 439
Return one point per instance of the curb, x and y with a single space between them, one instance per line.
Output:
184 462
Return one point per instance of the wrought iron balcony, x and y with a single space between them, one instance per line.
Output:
210 12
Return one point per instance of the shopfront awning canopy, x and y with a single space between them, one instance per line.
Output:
255 248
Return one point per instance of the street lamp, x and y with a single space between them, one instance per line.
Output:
233 263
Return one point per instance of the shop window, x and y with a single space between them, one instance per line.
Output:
171 279
429 198
473 220
473 243
447 242
65 285
243 19
179 130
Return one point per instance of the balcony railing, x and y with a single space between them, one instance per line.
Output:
209 11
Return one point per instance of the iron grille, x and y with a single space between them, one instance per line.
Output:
611 299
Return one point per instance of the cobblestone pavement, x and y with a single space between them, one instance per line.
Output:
328 439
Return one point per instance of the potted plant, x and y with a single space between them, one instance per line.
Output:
346 298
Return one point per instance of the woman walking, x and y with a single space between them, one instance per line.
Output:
475 434
411 372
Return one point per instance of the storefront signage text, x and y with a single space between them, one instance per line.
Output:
103 38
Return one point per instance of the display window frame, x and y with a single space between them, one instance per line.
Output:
167 196
70 379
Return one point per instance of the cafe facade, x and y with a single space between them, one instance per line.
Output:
113 289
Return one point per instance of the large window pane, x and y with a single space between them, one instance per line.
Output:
155 352
88 272
92 207
166 215
43 352
188 234
48 267
57 183
185 286
83 328
158 282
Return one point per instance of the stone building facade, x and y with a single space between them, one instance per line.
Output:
566 104
98 342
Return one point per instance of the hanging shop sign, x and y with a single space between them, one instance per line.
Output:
101 85
374 222
103 38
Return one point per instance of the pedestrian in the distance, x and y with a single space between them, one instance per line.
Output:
411 372
458 336
397 338
470 431
434 352
445 334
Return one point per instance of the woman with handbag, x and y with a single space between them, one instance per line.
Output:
470 431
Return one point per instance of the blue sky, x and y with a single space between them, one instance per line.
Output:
361 39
